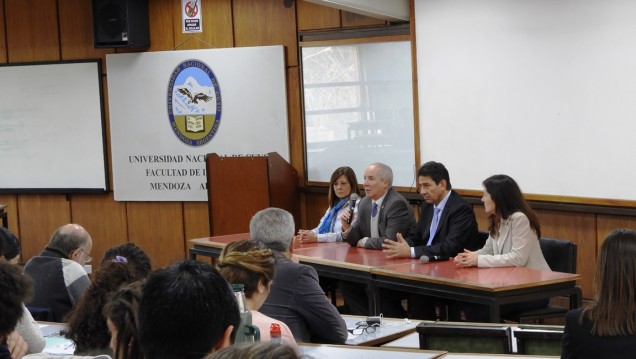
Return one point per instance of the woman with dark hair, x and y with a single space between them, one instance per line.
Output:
607 328
135 256
15 288
513 240
342 185
122 321
27 327
242 262
86 325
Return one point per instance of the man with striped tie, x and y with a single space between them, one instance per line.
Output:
383 214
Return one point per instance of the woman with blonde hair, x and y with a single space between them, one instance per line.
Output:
243 262
607 328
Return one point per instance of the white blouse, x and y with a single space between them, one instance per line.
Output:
336 235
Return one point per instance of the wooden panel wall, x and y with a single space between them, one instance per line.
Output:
62 30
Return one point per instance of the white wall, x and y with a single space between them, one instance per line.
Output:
541 90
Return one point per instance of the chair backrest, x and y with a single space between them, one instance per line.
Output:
539 342
41 314
459 338
560 254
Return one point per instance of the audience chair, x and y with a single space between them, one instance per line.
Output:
561 257
41 314
464 338
539 341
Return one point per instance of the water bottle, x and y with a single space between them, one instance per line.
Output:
275 334
246 332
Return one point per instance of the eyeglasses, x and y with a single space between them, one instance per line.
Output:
88 258
363 327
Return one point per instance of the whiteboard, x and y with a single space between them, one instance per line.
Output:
541 90
52 128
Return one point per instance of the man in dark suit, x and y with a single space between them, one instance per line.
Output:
447 225
295 296
383 215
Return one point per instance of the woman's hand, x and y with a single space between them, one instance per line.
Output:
307 236
17 346
466 259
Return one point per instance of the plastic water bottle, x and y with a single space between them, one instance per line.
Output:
275 334
246 332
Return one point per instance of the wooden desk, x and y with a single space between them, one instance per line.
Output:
316 351
212 246
492 287
343 262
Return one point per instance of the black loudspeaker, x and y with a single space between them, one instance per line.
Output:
121 23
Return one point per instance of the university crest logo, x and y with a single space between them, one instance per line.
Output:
194 103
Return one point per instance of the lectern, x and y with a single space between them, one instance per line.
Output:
238 187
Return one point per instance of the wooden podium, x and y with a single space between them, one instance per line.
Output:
238 187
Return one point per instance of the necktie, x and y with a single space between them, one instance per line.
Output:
434 225
374 210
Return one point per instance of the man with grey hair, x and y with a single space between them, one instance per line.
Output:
382 214
295 297
58 272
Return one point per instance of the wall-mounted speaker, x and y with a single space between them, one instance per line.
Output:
120 23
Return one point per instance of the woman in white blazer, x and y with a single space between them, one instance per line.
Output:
513 240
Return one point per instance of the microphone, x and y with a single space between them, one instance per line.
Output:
354 197
426 259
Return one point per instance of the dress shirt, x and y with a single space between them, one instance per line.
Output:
439 215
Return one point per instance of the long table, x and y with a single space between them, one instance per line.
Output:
492 287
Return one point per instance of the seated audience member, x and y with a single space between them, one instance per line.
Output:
58 272
187 310
121 314
607 328
446 227
86 325
27 327
382 214
242 262
295 298
136 257
258 350
15 288
342 185
513 240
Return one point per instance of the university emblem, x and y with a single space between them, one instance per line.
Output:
194 103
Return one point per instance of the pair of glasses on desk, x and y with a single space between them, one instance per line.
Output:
363 327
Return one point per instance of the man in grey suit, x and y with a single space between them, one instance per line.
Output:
382 214
295 296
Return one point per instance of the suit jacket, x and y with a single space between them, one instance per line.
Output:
456 229
516 246
395 217
578 341
295 298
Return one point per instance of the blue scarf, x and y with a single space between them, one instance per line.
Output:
327 224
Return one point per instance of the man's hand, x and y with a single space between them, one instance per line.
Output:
396 249
344 218
17 346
